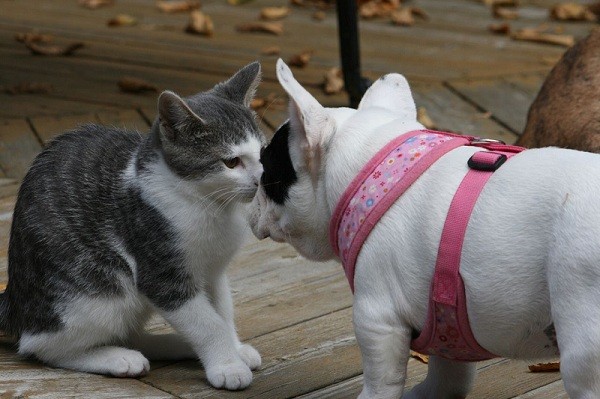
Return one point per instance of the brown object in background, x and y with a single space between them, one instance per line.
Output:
200 24
544 367
135 85
566 111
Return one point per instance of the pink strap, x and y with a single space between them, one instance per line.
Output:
445 280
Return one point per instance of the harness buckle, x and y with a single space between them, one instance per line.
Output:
486 161
484 141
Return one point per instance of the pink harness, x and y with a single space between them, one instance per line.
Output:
379 184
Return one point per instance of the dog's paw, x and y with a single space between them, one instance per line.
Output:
127 363
233 376
250 356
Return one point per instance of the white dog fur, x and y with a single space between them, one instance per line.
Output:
531 255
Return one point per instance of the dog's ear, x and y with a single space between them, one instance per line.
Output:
391 92
307 116
308 119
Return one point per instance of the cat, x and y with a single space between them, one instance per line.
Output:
110 225
566 111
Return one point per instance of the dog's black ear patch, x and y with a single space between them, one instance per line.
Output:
279 173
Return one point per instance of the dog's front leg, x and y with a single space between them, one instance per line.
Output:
446 379
385 346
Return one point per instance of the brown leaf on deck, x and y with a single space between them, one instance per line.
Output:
334 81
378 8
177 6
270 50
28 88
500 29
122 20
274 28
301 59
319 15
93 4
257 103
419 357
135 85
505 13
424 119
200 24
544 367
274 13
501 3
53 50
405 16
572 12
535 35
33 37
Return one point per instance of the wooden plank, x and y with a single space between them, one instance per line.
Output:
18 147
507 103
452 113
48 127
508 379
554 390
125 119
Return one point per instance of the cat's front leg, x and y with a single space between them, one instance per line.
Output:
221 294
209 334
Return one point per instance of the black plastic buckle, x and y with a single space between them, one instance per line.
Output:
484 163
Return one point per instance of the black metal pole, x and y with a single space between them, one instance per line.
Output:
356 85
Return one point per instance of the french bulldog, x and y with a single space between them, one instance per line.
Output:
530 260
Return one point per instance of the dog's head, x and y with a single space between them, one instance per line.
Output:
291 204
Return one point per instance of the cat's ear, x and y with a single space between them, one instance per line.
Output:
391 92
307 116
173 112
241 87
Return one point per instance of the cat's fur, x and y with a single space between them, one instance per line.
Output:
566 111
110 226
530 260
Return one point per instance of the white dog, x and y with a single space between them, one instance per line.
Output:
530 259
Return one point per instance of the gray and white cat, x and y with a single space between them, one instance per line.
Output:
110 226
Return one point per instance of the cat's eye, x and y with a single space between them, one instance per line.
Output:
232 162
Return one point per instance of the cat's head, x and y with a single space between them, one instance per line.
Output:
212 137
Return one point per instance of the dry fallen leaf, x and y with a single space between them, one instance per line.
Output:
135 85
257 103
572 12
301 59
122 20
505 13
501 28
2 287
274 28
503 3
200 24
237 2
53 50
274 13
334 81
544 367
33 37
378 8
177 5
595 8
535 35
405 16
28 88
93 4
424 118
419 357
271 50
319 15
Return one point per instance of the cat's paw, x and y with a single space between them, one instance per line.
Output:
250 356
233 376
127 363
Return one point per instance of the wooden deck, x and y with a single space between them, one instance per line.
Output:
296 313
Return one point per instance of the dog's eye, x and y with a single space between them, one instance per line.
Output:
232 162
